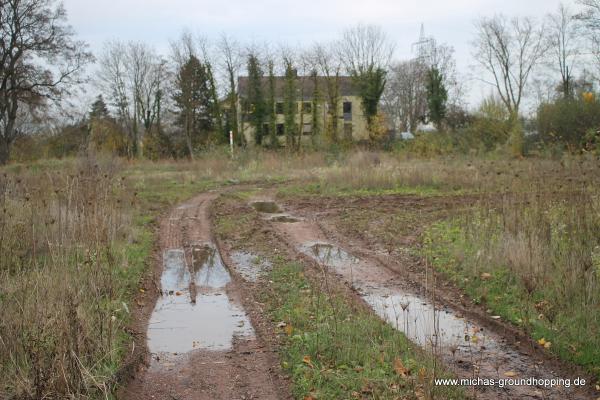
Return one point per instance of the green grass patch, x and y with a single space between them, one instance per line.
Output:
470 255
333 349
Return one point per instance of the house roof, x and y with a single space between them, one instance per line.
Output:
305 86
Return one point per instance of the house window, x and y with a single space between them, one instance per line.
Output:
348 130
280 130
307 129
347 111
279 108
306 107
347 107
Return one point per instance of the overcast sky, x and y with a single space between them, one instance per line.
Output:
301 22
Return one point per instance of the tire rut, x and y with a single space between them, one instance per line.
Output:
201 341
491 356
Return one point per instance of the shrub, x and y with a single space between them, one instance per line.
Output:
569 121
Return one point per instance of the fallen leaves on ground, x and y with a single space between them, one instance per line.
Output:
306 360
400 368
510 374
545 343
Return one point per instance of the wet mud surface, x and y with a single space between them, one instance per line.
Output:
461 343
250 266
201 341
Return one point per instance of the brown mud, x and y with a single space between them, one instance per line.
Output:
208 338
200 335
470 343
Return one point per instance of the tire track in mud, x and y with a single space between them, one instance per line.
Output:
462 344
201 342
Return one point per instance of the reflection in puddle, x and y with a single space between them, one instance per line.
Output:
250 266
267 207
456 340
417 319
209 320
178 326
209 271
175 275
329 255
408 313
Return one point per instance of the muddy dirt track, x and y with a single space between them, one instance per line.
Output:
207 340
201 341
461 341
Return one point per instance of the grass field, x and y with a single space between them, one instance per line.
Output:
76 237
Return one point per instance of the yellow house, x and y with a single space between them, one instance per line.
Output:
350 123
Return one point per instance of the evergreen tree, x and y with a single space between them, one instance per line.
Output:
290 105
437 96
222 136
99 109
195 99
256 100
274 142
316 100
371 84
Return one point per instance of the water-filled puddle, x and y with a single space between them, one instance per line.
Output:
178 326
175 277
455 339
408 313
267 207
251 267
329 255
418 320
209 271
195 311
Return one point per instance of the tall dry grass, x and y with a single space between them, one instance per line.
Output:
59 279
377 171
532 255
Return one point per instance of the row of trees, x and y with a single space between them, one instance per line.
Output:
159 99
562 52
165 105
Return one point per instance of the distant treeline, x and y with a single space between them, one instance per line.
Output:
174 105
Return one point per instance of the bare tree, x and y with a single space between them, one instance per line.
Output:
327 63
405 99
564 46
147 71
183 49
590 14
113 79
364 48
509 49
442 58
231 61
132 76
590 17
39 60
405 96
365 52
